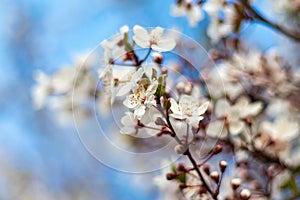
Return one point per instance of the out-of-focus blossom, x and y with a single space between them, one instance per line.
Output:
41 90
188 9
235 114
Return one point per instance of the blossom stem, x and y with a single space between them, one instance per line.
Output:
260 18
187 152
189 155
145 58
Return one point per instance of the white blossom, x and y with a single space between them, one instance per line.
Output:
282 128
188 109
236 113
131 80
41 90
129 124
188 9
141 99
153 39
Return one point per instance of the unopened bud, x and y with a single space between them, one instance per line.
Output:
182 186
157 57
206 169
202 189
245 194
166 130
235 183
188 88
222 165
217 149
181 167
171 176
164 70
180 87
179 149
215 176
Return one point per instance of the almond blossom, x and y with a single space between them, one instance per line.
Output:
153 39
141 99
188 109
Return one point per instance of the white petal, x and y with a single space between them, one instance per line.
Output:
129 130
165 44
174 106
156 33
128 119
125 89
152 88
236 127
216 129
139 112
202 109
141 36
222 108
138 75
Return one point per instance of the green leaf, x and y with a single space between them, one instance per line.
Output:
154 74
291 185
182 178
128 46
161 88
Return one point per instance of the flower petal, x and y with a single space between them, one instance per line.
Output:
165 44
202 109
141 36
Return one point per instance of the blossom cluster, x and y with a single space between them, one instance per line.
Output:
243 104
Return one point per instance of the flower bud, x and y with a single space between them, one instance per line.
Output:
215 176
182 186
157 57
235 183
179 149
164 70
245 194
188 88
217 149
166 130
180 87
206 169
222 165
181 167
170 176
202 189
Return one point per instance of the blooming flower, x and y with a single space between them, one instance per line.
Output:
153 39
188 9
131 82
222 19
236 113
141 99
282 128
188 109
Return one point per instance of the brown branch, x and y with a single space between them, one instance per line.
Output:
260 18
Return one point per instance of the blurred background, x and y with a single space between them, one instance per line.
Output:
40 158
